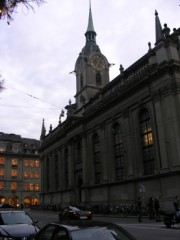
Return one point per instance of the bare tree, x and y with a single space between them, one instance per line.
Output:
8 7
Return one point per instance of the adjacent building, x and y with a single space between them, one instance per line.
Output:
121 138
20 175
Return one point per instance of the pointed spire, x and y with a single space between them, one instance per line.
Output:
90 27
43 131
159 32
90 33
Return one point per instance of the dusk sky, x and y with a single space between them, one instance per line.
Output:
39 50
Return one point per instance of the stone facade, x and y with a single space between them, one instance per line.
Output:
121 138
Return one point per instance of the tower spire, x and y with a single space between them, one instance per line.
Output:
159 32
90 33
43 131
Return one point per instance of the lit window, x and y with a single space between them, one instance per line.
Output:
31 186
26 163
31 174
25 186
2 148
36 174
36 187
1 172
26 174
2 160
37 163
14 173
31 163
147 142
1 185
14 162
13 186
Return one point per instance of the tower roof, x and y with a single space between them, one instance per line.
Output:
90 33
90 27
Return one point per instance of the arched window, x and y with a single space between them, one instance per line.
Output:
147 142
81 81
118 152
56 170
98 79
66 168
97 160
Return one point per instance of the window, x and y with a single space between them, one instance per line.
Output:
15 149
31 163
25 187
147 142
48 233
14 162
97 161
2 160
2 148
1 171
31 174
36 187
13 186
98 79
31 186
26 174
118 152
26 163
37 174
1 185
13 173
66 168
37 163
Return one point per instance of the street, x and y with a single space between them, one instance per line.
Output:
146 230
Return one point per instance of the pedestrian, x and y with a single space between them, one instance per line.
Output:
151 208
157 209
139 209
177 208
176 204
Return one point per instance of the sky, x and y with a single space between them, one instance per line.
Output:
39 50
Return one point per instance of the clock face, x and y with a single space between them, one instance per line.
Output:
97 62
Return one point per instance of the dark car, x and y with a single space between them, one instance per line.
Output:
74 213
16 225
83 230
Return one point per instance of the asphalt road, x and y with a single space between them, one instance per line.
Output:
147 230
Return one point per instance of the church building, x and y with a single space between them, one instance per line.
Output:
121 138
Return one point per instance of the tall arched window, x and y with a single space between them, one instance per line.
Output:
56 170
66 167
97 159
98 79
118 152
147 142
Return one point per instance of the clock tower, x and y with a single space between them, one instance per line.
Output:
91 68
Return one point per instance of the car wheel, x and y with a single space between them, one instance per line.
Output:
167 222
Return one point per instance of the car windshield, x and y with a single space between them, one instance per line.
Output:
74 209
99 234
15 218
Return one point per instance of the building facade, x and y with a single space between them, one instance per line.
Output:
121 138
20 174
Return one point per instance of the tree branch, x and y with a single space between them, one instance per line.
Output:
8 7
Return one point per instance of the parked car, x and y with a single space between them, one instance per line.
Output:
16 224
73 213
82 230
171 218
